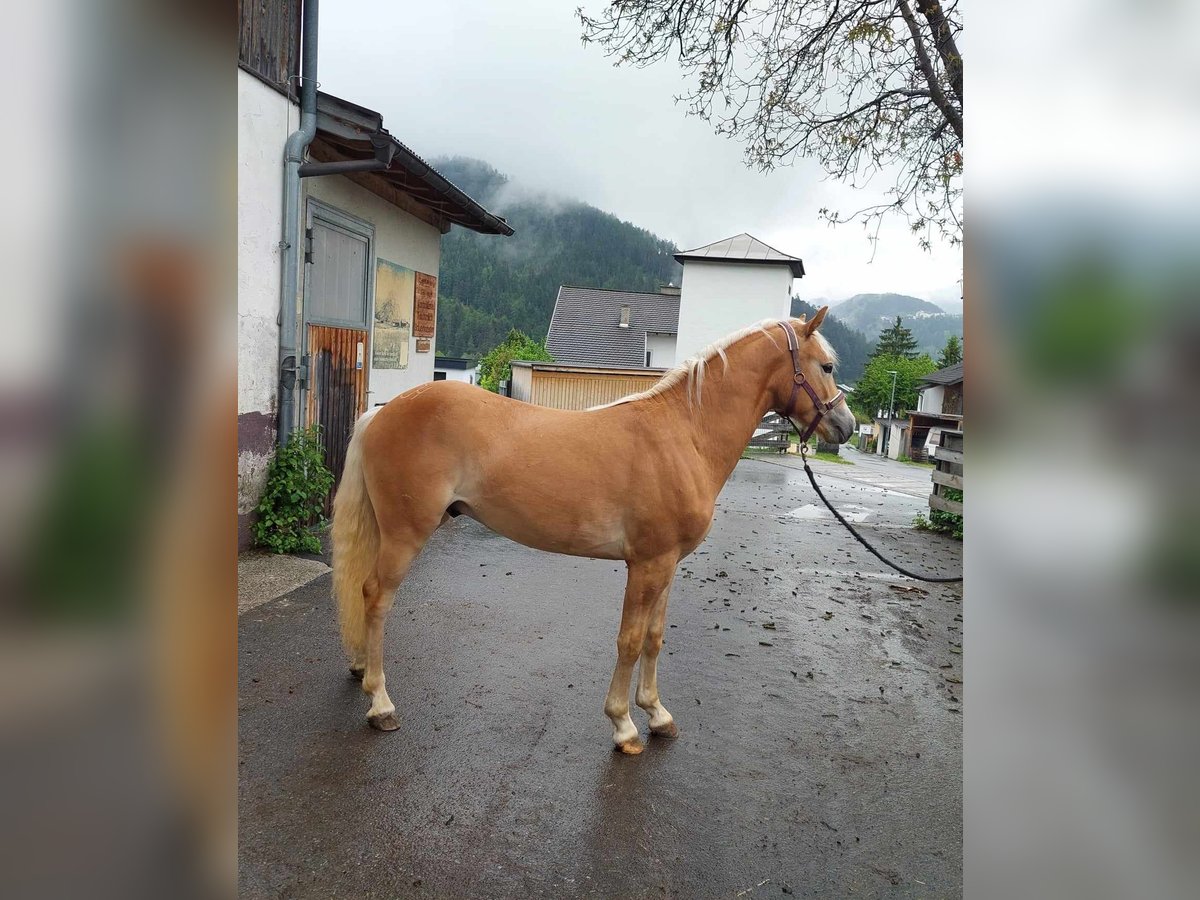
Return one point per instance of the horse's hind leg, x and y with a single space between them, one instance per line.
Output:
647 582
395 557
661 722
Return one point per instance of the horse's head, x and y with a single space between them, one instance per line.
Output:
805 390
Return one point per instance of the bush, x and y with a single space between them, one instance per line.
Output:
298 483
943 522
496 365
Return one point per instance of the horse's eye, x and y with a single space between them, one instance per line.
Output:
827 368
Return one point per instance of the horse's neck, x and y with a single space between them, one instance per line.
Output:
733 399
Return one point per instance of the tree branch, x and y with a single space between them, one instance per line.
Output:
943 40
953 116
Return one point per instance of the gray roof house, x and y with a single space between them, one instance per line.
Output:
598 327
745 248
949 375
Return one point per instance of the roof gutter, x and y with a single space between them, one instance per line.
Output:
384 149
293 159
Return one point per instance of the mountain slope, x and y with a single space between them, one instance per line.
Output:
871 313
852 348
490 284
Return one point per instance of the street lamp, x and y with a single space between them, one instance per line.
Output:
892 401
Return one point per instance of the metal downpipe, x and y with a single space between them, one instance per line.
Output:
293 156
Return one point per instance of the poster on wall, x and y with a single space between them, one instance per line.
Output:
425 314
395 288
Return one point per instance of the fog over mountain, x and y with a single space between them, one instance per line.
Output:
870 314
489 285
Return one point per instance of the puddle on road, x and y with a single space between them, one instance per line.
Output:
851 511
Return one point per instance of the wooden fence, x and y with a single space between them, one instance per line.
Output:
773 433
947 471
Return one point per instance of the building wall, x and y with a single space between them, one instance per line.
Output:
262 129
465 375
931 399
721 297
403 239
662 350
897 443
579 390
952 400
521 384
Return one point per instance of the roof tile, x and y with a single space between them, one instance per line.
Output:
585 329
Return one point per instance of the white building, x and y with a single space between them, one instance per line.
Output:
455 368
729 285
337 308
726 286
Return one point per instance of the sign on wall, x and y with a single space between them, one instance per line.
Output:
395 288
425 313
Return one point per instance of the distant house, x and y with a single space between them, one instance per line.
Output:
730 284
939 408
622 329
454 368
726 285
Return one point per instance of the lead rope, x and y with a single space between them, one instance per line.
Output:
883 559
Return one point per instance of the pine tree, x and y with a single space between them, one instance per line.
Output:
896 341
952 353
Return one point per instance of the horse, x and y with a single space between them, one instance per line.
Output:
634 480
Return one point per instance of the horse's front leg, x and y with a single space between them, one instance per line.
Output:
661 722
646 584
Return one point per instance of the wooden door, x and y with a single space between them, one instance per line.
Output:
337 300
337 393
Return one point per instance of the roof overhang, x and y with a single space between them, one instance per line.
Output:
796 265
587 370
349 132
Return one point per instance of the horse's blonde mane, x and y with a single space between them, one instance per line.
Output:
693 368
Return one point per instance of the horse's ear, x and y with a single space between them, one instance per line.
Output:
810 327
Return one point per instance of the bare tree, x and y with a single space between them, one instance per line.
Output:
863 86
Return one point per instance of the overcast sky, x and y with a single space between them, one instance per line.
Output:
511 84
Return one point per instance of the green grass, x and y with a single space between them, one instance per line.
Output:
913 462
830 457
756 452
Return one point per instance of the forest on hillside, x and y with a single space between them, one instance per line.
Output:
852 348
490 283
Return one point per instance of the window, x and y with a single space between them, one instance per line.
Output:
647 359
439 376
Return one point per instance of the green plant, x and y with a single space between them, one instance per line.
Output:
496 365
878 389
298 483
943 522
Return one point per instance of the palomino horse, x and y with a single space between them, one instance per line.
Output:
635 480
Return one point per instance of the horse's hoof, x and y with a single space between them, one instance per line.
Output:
385 722
670 730
357 674
631 747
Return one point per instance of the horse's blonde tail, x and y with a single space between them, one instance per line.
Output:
355 544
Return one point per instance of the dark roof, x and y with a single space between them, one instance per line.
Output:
744 248
585 327
949 375
347 128
453 362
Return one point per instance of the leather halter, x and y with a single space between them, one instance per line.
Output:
799 382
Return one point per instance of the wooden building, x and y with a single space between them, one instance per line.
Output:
576 387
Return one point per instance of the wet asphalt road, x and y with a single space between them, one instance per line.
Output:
820 757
